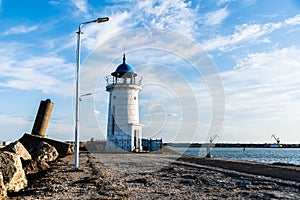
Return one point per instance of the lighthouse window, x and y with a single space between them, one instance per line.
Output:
114 97
113 120
134 98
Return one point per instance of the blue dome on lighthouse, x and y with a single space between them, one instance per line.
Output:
124 70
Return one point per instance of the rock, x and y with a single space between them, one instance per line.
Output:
19 149
35 166
62 148
44 151
41 154
13 174
3 193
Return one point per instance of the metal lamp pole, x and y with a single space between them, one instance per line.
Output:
76 156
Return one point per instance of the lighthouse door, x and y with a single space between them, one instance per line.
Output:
136 139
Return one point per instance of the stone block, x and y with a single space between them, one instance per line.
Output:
35 166
3 193
19 149
62 148
13 174
44 152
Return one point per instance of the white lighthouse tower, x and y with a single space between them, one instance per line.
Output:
124 132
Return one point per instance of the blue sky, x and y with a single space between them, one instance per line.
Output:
253 45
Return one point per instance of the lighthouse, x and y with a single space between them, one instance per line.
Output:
124 131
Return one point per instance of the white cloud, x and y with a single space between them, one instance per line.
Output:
247 33
81 6
221 2
262 96
97 112
61 131
216 17
293 20
176 15
20 30
54 3
97 33
265 86
173 15
12 128
45 73
242 33
172 114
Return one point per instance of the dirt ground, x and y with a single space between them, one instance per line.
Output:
152 176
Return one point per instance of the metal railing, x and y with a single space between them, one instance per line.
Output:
111 80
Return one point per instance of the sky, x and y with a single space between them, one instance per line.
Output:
209 67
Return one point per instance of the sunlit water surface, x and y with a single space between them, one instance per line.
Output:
266 155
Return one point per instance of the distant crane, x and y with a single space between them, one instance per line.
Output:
277 140
211 140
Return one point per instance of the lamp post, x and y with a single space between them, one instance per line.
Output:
83 95
76 156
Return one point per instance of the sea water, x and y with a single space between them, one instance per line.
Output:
266 155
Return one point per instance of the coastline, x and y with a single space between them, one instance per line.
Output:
160 176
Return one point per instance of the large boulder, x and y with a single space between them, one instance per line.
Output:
44 152
41 154
3 192
35 166
13 174
62 148
19 149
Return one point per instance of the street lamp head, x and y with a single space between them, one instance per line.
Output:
102 19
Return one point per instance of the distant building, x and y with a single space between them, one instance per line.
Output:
2 143
124 131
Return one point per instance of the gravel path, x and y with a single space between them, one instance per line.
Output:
135 163
147 176
63 182
151 176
